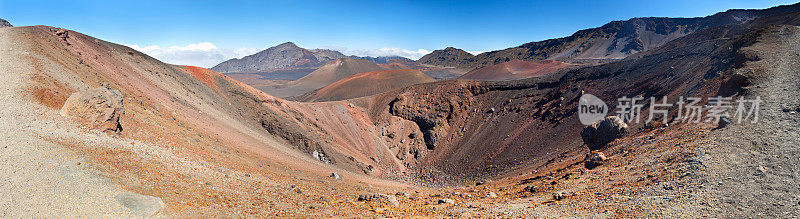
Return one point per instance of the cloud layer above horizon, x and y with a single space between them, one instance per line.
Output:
204 54
207 55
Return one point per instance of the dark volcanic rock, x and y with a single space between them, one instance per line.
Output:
448 57
602 132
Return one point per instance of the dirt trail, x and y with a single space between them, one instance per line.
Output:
751 169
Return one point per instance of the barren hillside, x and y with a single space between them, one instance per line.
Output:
192 142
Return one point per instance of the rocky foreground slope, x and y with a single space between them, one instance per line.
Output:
194 142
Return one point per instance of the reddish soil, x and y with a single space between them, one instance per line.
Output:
514 70
367 84
324 76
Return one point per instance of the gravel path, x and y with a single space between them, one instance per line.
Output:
753 168
43 179
750 170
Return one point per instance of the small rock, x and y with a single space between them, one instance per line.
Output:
491 195
761 169
491 110
446 201
594 159
379 197
530 189
402 194
480 183
558 196
336 176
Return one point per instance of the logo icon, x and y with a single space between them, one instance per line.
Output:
591 109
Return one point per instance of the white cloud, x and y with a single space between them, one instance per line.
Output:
207 55
204 54
476 52
385 51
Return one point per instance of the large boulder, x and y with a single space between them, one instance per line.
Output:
98 108
604 131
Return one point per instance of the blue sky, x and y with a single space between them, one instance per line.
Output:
210 31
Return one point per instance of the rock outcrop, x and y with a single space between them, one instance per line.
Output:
4 23
604 131
98 108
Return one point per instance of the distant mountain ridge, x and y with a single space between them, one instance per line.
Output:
284 56
620 39
289 56
612 41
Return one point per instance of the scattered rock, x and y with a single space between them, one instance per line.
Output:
379 197
530 189
446 201
99 108
594 159
401 154
761 169
604 131
558 196
320 156
336 176
654 125
64 35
